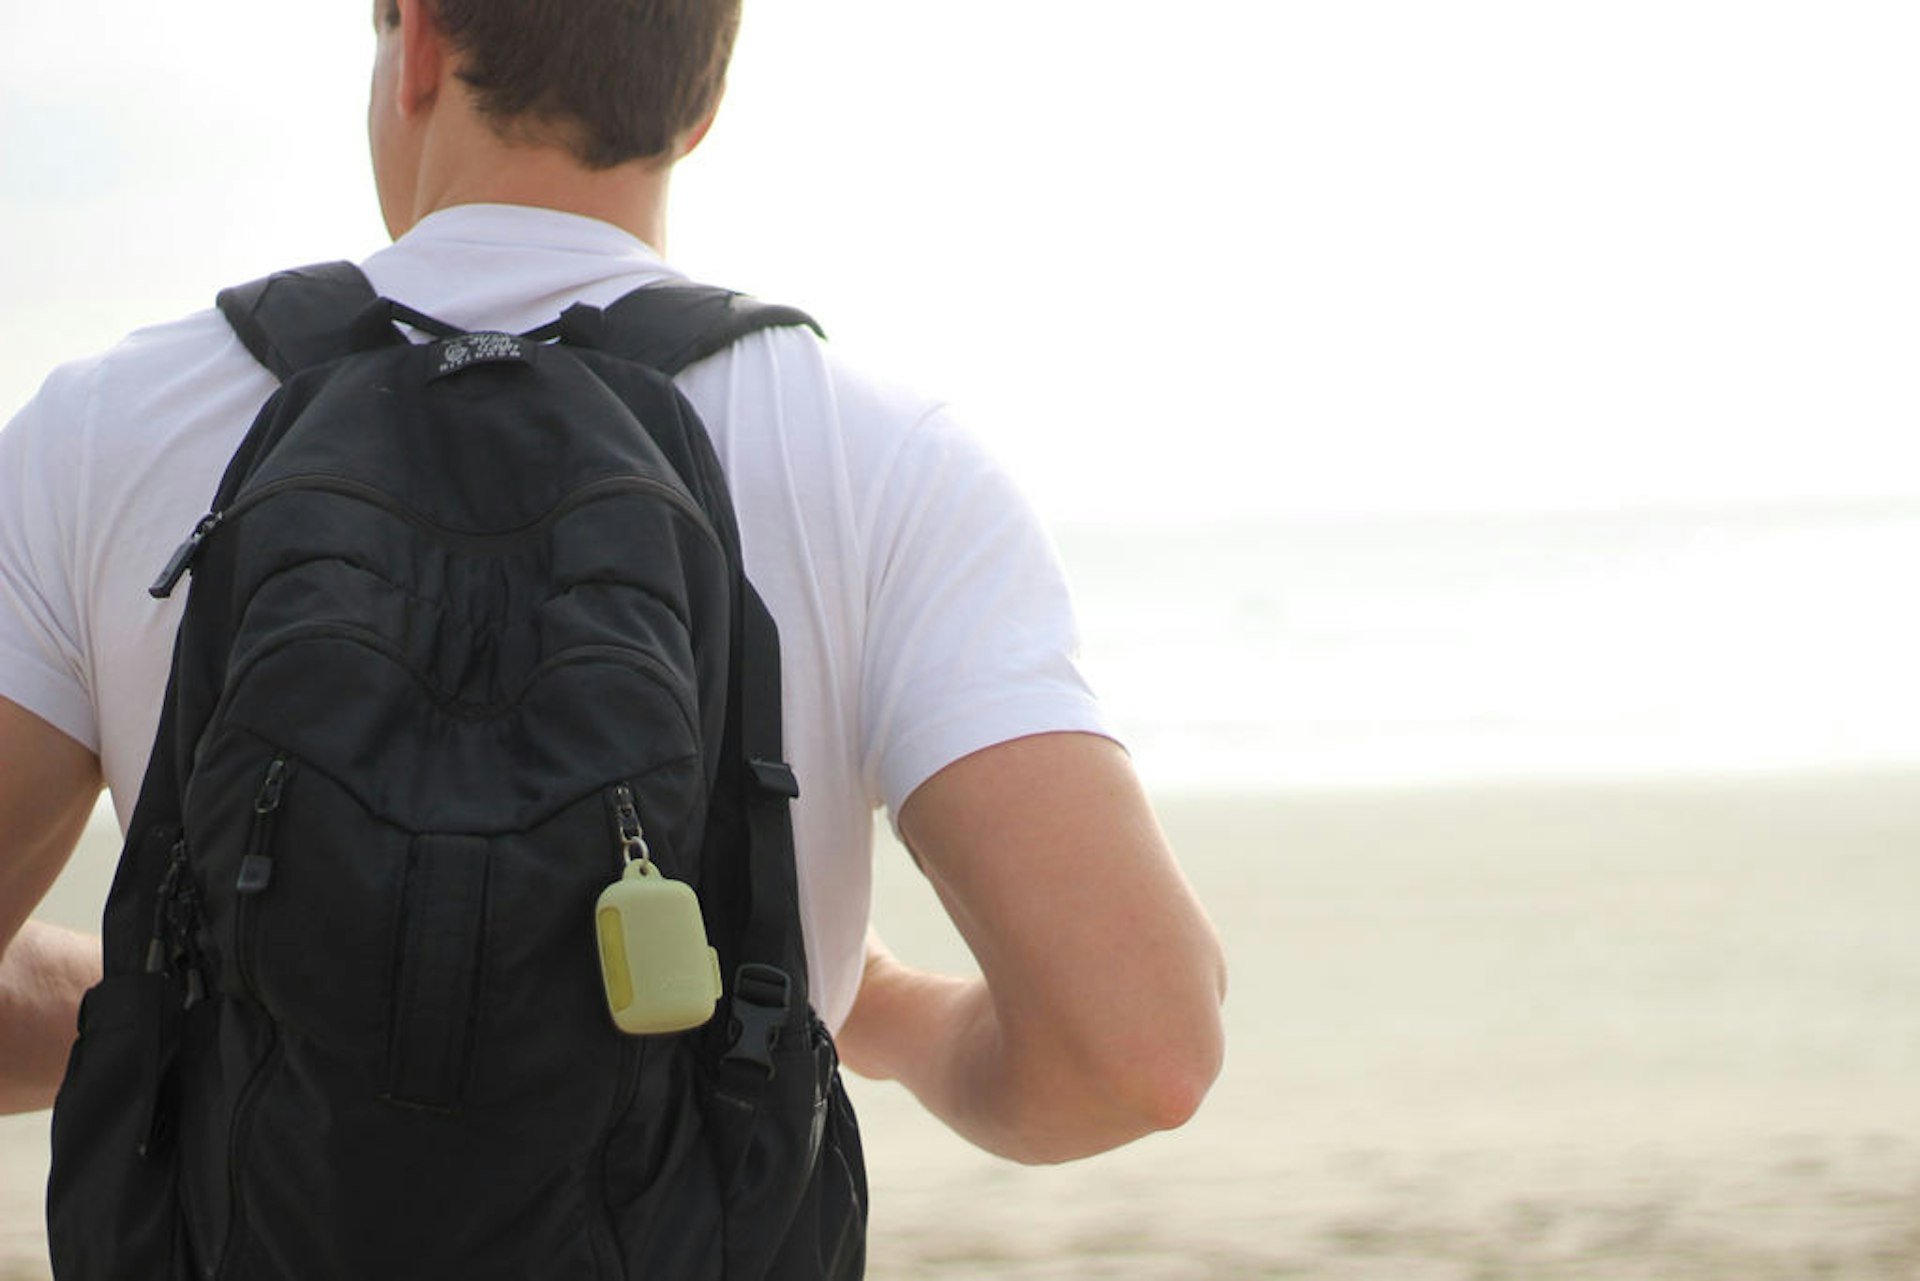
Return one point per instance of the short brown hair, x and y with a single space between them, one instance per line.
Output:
619 79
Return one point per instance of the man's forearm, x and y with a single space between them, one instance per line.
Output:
942 1039
43 974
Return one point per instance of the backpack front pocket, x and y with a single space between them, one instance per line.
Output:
438 954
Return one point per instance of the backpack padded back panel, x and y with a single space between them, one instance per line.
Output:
462 611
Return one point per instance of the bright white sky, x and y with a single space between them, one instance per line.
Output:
1226 256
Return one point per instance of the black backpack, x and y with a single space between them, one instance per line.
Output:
468 639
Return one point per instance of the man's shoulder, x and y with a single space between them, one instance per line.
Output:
168 344
154 368
148 420
785 393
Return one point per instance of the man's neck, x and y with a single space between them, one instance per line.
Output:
472 169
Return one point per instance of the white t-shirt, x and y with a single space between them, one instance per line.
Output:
921 608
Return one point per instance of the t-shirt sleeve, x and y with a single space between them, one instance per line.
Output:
43 662
971 638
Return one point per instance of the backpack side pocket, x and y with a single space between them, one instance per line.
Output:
796 1199
112 1208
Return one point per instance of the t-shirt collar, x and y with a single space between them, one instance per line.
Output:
528 227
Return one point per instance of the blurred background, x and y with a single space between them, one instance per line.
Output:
1483 440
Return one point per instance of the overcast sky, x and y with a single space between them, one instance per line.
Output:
1225 257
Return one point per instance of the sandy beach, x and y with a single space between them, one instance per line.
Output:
1665 1029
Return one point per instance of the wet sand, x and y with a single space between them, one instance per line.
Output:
1661 1029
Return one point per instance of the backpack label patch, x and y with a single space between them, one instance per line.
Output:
463 351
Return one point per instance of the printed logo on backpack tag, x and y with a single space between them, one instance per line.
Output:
463 351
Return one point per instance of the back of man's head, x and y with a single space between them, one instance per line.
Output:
614 80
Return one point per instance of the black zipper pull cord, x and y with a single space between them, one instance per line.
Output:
195 944
182 558
158 944
256 866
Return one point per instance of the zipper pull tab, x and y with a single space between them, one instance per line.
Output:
182 557
267 799
256 866
157 945
633 841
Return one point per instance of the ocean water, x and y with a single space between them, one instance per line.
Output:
1367 649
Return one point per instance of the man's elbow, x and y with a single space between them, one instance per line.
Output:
1111 1108
1166 1088
1184 1065
1175 1054
1156 1083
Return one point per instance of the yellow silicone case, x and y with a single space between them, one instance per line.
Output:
660 975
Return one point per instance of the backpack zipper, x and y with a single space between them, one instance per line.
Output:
632 844
238 1140
162 954
256 864
183 556
626 818
255 875
179 945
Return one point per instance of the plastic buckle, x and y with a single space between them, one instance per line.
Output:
762 998
775 778
583 326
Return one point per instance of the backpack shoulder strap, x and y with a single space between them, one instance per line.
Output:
294 320
668 327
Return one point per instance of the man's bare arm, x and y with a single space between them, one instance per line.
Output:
48 784
1096 1018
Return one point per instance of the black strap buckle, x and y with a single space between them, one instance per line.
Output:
774 778
762 998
